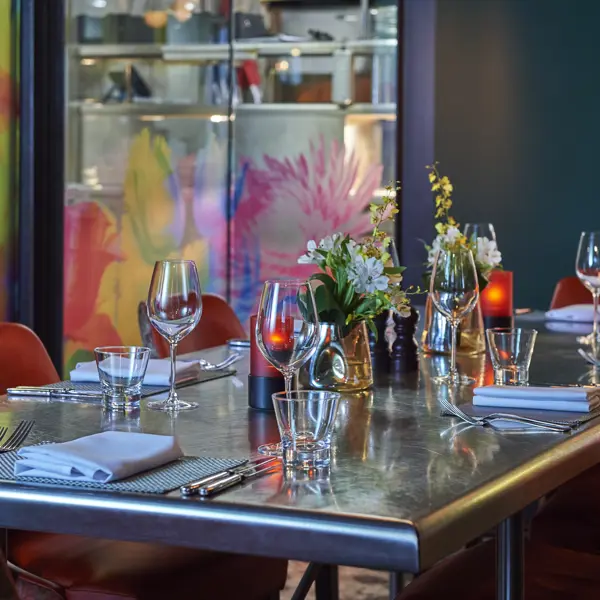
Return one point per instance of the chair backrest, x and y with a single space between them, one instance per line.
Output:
218 324
23 358
570 291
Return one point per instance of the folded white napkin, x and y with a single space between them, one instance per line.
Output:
579 313
157 373
102 457
565 399
569 327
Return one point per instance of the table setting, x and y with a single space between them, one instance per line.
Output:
293 426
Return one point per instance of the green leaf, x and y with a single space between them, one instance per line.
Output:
372 327
325 279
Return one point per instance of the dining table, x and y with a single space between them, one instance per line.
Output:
406 487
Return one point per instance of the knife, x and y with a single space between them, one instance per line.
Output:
220 485
193 487
47 392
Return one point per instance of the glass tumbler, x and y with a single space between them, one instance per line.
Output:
121 370
511 351
305 420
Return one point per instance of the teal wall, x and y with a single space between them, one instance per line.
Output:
517 128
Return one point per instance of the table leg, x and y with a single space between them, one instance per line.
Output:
327 583
509 559
398 581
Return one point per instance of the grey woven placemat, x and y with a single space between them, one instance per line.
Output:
157 481
147 390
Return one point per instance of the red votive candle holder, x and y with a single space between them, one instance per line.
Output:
264 379
259 365
497 299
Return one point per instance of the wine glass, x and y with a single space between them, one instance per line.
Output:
480 230
174 309
587 267
287 331
454 290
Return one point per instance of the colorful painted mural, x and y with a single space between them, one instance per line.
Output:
177 207
283 203
167 210
8 112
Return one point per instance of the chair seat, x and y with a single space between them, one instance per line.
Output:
550 574
95 569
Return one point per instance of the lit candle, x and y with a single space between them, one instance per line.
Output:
259 365
497 297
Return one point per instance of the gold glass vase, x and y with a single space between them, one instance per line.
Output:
436 337
341 363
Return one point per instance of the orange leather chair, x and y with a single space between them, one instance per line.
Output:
218 324
570 291
81 568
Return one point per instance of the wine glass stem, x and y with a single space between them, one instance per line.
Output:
453 369
595 327
288 377
172 399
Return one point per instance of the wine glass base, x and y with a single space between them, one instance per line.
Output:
270 450
170 407
454 380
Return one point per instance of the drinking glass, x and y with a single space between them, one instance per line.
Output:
510 352
480 230
454 290
287 331
587 267
305 420
121 370
174 309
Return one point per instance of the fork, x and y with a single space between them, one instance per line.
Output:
208 366
588 357
18 436
489 419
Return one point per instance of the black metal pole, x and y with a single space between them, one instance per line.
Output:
509 559
39 297
22 297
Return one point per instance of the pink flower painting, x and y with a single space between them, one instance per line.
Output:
290 201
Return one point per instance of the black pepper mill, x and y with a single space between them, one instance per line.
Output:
380 351
404 355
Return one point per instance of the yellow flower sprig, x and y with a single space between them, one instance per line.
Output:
378 242
443 189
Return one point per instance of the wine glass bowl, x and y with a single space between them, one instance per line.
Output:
454 290
174 310
287 331
587 268
473 231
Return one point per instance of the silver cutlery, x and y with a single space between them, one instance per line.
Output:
52 392
489 419
220 485
193 487
208 366
588 357
18 436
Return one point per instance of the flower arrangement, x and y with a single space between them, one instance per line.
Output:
358 282
485 252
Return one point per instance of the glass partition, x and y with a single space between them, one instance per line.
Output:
227 133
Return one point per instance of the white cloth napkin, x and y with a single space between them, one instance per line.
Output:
569 327
565 399
578 313
100 458
157 373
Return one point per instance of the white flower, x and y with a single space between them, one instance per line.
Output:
487 252
451 235
311 257
366 275
331 242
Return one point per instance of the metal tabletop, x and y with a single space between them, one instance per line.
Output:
405 489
